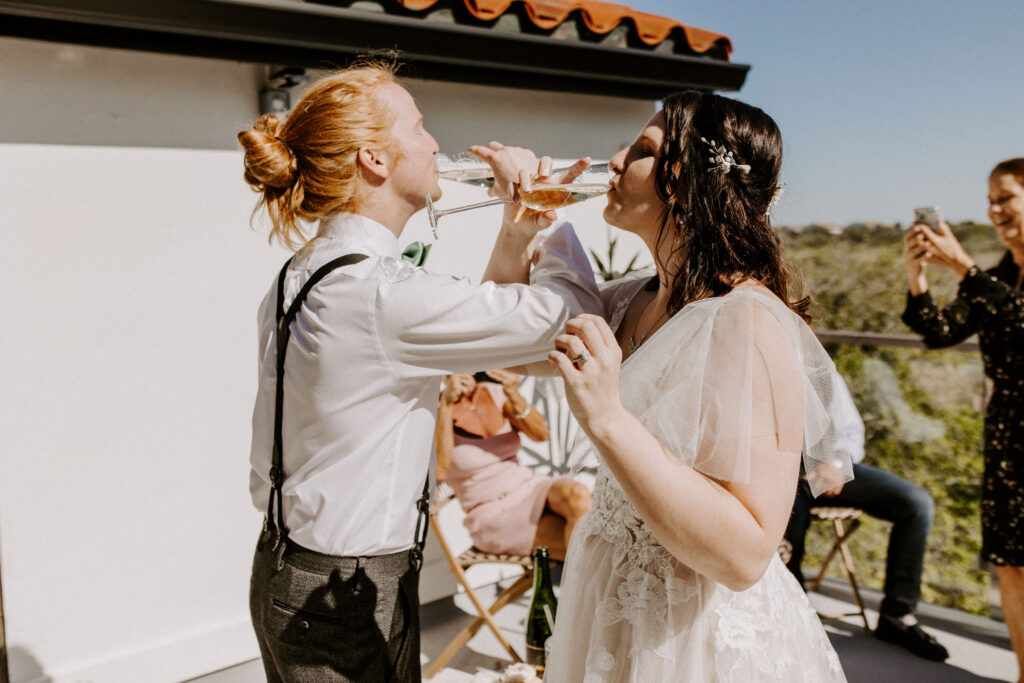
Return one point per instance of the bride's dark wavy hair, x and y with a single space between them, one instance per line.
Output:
718 222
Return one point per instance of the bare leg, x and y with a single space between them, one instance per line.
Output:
1011 588
551 533
567 501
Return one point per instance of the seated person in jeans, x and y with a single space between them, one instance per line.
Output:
509 508
886 496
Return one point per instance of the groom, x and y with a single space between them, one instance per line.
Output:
334 593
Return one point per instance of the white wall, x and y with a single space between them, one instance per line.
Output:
71 95
557 124
128 355
128 364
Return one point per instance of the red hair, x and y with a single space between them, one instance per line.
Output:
305 167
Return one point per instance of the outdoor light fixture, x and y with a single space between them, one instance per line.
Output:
275 97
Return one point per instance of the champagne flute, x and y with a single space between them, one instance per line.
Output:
540 198
484 176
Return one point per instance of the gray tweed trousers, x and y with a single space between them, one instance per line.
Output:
328 619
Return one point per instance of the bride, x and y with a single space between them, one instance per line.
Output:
700 393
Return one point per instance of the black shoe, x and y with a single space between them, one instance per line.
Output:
913 638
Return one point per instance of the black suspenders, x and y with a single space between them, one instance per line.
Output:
274 521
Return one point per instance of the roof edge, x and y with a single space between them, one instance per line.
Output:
317 36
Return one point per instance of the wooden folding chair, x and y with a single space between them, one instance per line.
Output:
838 516
457 565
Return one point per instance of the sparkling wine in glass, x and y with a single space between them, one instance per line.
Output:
546 197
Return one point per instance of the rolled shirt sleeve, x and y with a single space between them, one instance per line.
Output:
430 323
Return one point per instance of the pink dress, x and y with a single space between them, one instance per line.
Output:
503 500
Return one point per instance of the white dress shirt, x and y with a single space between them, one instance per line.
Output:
848 423
363 371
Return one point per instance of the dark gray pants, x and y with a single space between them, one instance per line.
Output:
327 619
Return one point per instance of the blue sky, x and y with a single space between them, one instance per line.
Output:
884 105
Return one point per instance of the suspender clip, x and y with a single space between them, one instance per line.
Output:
270 534
264 534
420 538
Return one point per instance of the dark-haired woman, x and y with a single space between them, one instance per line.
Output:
673 575
991 304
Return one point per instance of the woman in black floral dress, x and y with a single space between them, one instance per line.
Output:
990 303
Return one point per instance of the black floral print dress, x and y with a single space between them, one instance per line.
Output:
990 304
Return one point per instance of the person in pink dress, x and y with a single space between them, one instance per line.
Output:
510 509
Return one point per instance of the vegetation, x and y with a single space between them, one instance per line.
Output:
921 409
605 269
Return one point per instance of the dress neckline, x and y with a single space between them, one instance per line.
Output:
753 288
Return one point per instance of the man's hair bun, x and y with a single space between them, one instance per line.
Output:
269 161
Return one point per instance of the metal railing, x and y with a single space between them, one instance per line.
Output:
878 339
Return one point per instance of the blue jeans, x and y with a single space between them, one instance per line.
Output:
886 496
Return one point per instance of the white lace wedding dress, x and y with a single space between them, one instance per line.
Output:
629 611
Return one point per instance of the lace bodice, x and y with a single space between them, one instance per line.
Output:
652 579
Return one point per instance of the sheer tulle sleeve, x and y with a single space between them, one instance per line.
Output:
617 294
731 370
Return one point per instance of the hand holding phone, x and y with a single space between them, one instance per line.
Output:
938 245
929 215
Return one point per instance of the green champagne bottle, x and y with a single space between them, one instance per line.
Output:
543 606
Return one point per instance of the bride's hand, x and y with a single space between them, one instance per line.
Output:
588 358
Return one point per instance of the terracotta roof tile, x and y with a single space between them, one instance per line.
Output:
599 17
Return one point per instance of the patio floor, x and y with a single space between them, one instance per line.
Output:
979 647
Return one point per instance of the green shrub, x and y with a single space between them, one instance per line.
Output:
857 282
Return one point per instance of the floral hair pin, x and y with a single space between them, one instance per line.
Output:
776 196
721 158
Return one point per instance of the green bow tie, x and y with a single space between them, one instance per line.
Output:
416 253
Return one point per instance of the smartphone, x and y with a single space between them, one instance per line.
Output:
482 376
929 215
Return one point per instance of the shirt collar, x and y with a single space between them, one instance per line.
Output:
359 234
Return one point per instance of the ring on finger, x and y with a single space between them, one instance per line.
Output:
579 360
